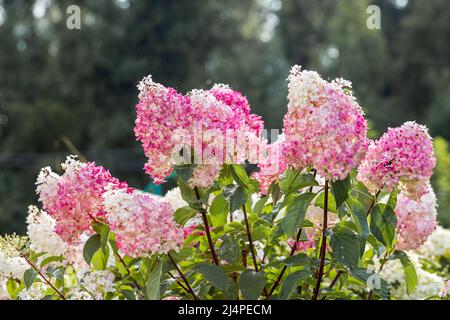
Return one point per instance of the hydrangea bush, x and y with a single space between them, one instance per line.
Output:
327 214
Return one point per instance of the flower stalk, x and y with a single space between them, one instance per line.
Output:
323 247
207 230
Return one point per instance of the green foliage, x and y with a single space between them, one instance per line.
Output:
295 213
152 286
184 214
345 243
235 195
382 224
293 180
28 277
441 180
215 275
251 284
340 190
409 270
219 210
252 257
92 245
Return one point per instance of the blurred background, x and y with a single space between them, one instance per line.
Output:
73 91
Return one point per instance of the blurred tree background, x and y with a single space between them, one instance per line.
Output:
66 90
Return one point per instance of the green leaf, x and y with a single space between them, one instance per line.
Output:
28 277
259 205
409 271
340 190
369 277
219 210
235 196
152 287
295 213
359 215
90 247
185 171
104 237
252 283
293 180
97 226
14 287
232 293
392 201
291 282
50 260
240 175
229 249
214 274
183 215
346 245
320 201
382 224
225 177
300 259
128 294
187 194
100 259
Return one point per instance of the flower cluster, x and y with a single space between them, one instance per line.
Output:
74 199
43 238
142 223
167 122
416 219
324 126
271 166
404 154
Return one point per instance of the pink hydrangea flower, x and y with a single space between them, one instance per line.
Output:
271 166
192 229
160 112
172 298
402 155
324 126
303 245
142 224
239 104
74 199
202 120
445 291
416 219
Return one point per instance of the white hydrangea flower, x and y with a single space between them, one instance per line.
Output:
438 244
98 283
35 292
428 284
41 233
4 295
173 197
78 293
11 263
12 267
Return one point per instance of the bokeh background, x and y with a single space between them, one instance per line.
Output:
73 91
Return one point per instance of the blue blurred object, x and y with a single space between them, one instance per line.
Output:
159 189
